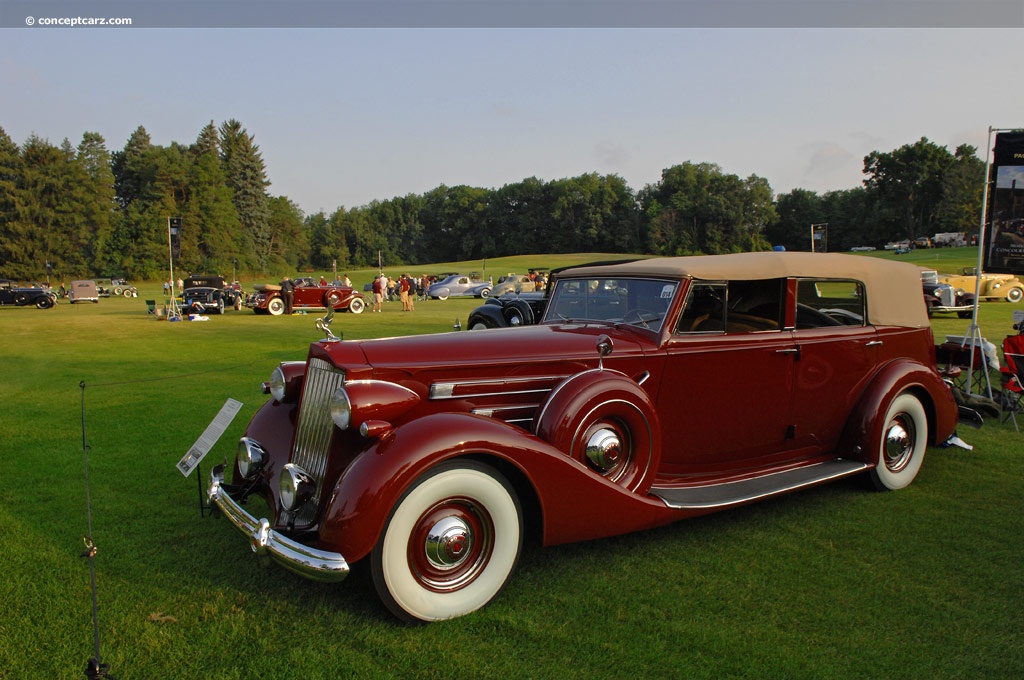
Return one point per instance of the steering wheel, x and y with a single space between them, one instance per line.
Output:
640 316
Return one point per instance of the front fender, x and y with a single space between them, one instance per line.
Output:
575 504
864 427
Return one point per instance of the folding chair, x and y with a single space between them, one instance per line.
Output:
151 307
1012 378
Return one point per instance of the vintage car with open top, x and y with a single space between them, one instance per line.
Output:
651 391
308 296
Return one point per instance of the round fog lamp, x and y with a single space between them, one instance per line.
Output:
295 486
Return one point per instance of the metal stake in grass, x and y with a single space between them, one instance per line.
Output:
94 668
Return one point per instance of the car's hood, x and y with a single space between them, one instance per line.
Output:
499 346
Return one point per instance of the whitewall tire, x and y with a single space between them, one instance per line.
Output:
902 444
450 544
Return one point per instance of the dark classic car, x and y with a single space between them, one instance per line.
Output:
23 296
650 392
511 309
209 294
942 298
308 296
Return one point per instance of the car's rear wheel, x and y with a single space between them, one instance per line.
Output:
1014 295
275 307
356 306
450 544
902 444
442 295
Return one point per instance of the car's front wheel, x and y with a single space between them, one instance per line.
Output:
902 444
356 306
276 307
1014 295
450 544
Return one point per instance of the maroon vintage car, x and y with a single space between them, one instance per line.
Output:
650 392
266 298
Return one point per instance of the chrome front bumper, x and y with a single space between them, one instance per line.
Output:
314 564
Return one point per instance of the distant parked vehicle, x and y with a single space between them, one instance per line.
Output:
942 298
459 285
512 283
83 291
115 287
993 286
23 296
209 294
267 298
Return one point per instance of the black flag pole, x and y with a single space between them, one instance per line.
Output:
94 668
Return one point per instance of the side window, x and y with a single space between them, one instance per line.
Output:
705 309
755 305
823 302
733 307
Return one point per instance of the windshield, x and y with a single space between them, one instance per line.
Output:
640 302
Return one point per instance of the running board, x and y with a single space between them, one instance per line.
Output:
735 493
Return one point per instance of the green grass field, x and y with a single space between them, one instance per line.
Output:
835 582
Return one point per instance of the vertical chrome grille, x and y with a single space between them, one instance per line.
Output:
314 429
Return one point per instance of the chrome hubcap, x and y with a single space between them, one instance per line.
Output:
448 543
604 450
899 443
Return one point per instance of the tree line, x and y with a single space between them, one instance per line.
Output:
86 211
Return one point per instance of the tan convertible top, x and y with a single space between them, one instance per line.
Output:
894 293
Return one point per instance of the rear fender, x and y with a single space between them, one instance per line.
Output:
864 427
575 504
489 314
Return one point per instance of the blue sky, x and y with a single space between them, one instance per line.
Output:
346 116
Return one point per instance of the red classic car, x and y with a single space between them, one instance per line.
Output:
651 391
266 298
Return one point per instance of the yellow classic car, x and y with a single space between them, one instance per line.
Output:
993 286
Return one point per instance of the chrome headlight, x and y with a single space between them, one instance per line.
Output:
277 384
250 457
295 487
341 409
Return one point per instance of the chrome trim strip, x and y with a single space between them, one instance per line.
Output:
314 564
446 390
492 410
747 490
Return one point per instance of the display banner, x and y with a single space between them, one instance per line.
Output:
1004 217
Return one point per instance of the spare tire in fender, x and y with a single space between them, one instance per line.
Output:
608 423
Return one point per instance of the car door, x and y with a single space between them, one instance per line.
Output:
727 386
836 353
